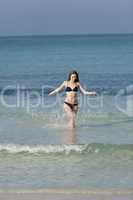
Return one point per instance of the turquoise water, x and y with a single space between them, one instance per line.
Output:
36 148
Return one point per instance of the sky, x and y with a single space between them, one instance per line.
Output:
44 17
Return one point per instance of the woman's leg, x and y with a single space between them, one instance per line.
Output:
75 110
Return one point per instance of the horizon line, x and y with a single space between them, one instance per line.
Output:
65 34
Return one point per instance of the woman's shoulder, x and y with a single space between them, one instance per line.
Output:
65 82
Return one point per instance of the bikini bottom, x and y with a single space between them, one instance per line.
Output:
71 105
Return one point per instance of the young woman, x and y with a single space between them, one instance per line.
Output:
71 102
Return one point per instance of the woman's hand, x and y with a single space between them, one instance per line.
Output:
91 93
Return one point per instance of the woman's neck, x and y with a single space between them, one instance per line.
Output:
71 81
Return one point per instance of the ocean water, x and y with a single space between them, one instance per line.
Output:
37 150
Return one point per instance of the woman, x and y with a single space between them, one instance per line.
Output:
71 102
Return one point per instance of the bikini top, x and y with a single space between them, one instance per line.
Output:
69 89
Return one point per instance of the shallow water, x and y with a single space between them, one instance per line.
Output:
37 150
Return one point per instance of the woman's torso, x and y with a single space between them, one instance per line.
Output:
71 92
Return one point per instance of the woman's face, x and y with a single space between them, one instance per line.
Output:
73 77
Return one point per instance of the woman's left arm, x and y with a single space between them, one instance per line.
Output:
93 93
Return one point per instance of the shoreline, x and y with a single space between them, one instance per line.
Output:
66 194
99 191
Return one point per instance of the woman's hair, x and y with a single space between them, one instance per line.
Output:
73 72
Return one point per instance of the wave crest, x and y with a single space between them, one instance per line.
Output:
64 148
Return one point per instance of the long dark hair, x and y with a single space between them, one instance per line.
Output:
73 72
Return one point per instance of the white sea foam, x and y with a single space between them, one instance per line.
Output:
16 148
66 148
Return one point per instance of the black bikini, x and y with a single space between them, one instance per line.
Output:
69 89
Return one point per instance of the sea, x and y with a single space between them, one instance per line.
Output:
37 149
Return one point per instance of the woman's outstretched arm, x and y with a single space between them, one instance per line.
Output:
86 92
57 89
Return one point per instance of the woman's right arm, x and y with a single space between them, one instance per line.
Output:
58 89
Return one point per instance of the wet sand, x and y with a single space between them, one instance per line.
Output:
67 194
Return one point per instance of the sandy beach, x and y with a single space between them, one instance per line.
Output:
66 194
